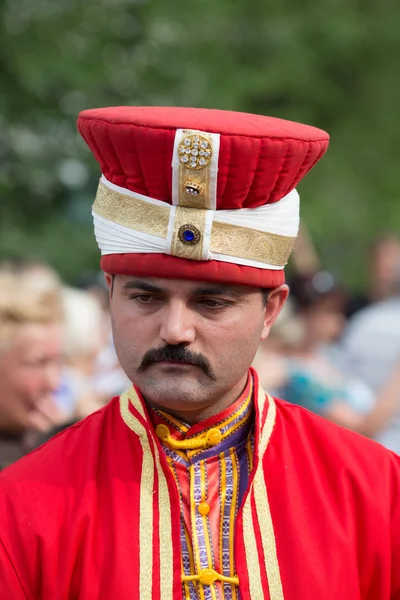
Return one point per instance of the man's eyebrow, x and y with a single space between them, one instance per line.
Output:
135 284
217 290
207 290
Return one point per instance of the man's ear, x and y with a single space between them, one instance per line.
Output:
110 282
276 299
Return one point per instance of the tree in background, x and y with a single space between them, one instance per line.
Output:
331 64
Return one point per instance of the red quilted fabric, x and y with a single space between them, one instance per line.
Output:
261 158
173 267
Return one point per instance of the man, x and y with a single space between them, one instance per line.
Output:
30 355
371 345
194 483
383 266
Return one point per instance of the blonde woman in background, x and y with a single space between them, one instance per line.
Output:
85 335
30 355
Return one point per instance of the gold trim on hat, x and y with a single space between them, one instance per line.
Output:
131 212
251 244
196 176
229 240
197 220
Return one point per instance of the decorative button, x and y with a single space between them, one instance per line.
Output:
189 235
191 144
193 189
208 576
203 508
213 437
162 431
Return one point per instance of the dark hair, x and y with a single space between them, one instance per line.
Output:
310 290
265 295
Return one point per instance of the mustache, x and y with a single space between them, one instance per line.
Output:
179 354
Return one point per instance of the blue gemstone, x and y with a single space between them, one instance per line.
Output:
188 235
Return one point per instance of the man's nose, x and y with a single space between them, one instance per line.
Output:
177 325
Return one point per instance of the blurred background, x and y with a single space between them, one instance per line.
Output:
334 65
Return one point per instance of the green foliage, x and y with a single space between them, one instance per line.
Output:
332 64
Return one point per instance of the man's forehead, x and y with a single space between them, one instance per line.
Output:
184 286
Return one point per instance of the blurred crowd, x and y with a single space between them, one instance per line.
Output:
57 360
338 354
331 351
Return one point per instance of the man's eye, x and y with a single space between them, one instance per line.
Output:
213 303
142 298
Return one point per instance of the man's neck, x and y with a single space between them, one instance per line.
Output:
194 415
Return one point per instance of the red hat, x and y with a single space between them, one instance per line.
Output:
198 194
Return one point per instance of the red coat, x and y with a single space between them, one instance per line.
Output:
94 513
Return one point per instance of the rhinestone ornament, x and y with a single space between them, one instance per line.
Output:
191 145
192 189
189 235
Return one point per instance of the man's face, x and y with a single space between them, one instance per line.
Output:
385 265
29 373
187 344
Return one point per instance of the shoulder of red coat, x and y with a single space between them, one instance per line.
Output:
323 436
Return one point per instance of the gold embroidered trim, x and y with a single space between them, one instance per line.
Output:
165 532
195 177
264 512
131 212
146 502
231 240
133 398
264 517
146 508
197 219
251 551
251 244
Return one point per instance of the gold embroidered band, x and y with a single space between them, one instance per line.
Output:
195 164
146 507
131 212
226 239
251 244
259 492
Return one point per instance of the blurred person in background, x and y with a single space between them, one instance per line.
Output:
84 337
383 262
271 359
30 355
371 348
109 378
320 301
302 362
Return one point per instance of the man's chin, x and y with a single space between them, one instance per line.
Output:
173 388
